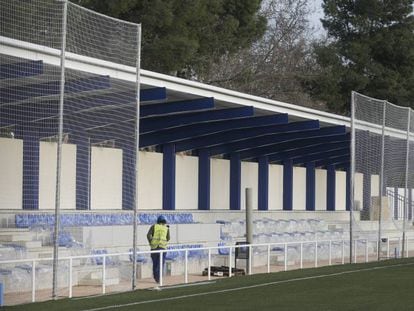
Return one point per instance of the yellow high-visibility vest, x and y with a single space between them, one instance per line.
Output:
159 238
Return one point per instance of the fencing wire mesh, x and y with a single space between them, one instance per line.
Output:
382 163
98 140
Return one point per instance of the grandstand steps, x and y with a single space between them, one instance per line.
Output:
97 282
92 275
16 237
28 244
46 252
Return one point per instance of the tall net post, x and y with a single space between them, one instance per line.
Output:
407 158
59 152
352 179
381 183
135 213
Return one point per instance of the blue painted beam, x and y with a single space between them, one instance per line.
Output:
168 177
22 92
195 130
310 186
279 126
116 107
333 161
287 185
330 187
293 144
28 68
152 124
235 182
178 106
153 93
300 152
264 140
263 184
320 156
204 177
30 172
83 171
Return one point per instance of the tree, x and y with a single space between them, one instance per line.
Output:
370 49
185 37
276 64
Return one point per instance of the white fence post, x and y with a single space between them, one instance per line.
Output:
250 259
301 255
230 261
330 252
186 266
161 266
70 276
286 256
209 264
33 280
268 258
316 254
104 274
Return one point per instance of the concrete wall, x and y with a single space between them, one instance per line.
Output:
320 190
275 187
150 181
299 188
340 191
11 173
359 193
186 182
249 179
47 176
106 178
220 184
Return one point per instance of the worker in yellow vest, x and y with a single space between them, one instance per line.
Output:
158 236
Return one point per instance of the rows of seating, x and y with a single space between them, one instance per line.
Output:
29 220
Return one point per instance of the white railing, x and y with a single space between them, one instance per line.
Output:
283 246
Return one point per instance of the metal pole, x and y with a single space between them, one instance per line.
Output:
381 181
135 207
407 154
352 179
59 151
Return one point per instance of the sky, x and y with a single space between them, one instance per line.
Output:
315 6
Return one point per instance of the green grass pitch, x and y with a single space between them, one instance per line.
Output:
387 285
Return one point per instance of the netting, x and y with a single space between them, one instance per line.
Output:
382 164
70 137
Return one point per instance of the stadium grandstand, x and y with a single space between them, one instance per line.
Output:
75 143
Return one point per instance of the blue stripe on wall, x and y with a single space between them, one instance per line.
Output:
263 185
310 186
168 177
287 185
204 176
235 181
330 187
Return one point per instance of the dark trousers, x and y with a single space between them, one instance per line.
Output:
156 264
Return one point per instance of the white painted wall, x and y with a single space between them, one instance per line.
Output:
275 187
359 190
150 181
186 182
299 188
47 176
320 190
249 179
375 185
11 173
340 191
106 178
220 184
